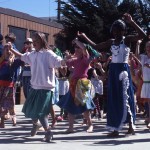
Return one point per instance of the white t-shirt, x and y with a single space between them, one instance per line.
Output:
42 65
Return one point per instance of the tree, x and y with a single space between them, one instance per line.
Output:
143 14
90 16
94 17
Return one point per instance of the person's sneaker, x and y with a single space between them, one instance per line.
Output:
48 136
34 129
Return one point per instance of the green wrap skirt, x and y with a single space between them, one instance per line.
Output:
38 103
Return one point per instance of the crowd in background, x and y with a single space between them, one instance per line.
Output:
85 82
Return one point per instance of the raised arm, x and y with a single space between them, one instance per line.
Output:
140 33
100 46
100 67
95 74
136 59
137 51
18 54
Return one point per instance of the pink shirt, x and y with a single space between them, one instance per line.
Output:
80 67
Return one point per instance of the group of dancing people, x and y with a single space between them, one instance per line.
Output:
79 99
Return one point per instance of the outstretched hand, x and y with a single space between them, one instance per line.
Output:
139 42
127 18
80 34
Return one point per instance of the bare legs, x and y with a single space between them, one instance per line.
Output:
44 122
2 125
148 125
71 118
54 121
87 116
7 115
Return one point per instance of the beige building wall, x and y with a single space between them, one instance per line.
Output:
12 18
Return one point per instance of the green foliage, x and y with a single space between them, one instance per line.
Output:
142 15
94 17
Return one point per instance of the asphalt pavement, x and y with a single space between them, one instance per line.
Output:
18 137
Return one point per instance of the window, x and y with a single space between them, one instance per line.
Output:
32 32
20 34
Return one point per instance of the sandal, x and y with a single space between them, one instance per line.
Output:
113 134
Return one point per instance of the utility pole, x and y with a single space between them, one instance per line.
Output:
58 9
49 10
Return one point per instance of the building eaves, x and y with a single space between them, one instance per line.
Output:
28 17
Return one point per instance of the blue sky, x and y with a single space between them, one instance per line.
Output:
37 8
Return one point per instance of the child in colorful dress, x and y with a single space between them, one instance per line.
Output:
81 92
8 67
120 104
39 101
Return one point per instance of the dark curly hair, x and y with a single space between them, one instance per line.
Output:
119 24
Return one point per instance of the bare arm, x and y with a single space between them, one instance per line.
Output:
95 74
140 33
99 66
138 61
137 52
100 46
18 54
